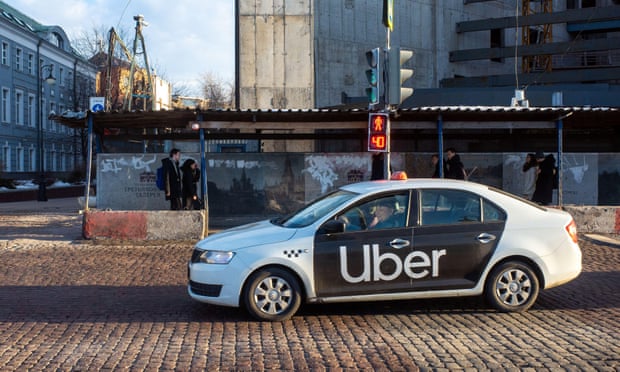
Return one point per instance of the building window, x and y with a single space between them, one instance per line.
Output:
19 107
61 76
53 160
30 63
32 159
18 59
588 3
20 159
6 105
32 111
63 161
57 40
61 109
497 41
5 53
6 157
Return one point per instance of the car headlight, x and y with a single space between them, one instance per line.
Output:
216 257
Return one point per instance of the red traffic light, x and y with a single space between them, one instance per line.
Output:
378 132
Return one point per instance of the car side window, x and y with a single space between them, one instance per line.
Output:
382 212
492 213
449 207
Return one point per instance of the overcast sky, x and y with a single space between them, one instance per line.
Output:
184 38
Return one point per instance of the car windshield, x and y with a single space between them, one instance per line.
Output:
316 210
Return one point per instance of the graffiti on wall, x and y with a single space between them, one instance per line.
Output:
328 169
116 165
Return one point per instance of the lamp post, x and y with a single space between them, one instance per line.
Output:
50 80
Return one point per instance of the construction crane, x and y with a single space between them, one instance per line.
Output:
541 34
131 93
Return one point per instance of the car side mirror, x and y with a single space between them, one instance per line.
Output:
332 227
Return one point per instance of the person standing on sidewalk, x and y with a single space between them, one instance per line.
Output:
190 189
530 172
543 194
172 179
453 167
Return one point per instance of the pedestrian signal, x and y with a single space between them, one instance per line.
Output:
378 132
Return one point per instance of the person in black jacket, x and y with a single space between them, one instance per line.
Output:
172 179
190 190
543 194
453 167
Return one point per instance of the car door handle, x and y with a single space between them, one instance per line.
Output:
399 243
485 238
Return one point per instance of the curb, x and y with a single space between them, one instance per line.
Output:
601 239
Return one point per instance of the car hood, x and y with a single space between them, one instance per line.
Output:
257 233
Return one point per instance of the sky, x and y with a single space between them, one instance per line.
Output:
184 38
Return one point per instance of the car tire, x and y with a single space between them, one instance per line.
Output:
272 294
512 287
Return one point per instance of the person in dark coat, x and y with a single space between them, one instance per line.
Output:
190 177
377 172
172 179
453 167
530 171
543 194
435 162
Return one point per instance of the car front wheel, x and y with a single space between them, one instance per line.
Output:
272 294
512 286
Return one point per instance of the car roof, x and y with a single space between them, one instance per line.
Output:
387 185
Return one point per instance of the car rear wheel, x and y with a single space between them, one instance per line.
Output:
512 286
272 294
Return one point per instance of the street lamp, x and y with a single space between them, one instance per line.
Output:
49 80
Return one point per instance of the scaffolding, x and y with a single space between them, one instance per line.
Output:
541 34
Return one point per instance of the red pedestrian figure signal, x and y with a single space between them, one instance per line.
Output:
378 132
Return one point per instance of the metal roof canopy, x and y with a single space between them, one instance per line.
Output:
432 117
462 117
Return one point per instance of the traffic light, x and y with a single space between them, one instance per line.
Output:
397 75
374 75
378 134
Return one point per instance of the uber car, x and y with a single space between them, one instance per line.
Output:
387 240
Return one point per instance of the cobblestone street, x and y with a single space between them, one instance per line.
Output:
74 305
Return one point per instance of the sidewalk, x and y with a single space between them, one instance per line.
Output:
60 205
70 206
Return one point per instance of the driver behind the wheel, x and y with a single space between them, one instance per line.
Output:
384 215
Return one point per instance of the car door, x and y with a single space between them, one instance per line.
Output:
461 230
364 260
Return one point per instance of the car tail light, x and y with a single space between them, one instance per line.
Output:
571 229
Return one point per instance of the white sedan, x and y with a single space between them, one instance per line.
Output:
387 240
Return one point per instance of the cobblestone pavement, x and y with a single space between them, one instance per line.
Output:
73 305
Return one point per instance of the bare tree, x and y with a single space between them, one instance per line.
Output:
181 89
91 42
216 91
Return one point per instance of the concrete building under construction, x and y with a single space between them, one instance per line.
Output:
308 54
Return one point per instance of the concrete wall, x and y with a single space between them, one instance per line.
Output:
276 54
268 184
345 30
593 219
248 187
145 225
305 54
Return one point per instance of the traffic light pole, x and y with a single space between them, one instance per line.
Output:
387 108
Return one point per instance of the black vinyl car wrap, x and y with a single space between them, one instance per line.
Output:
403 259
